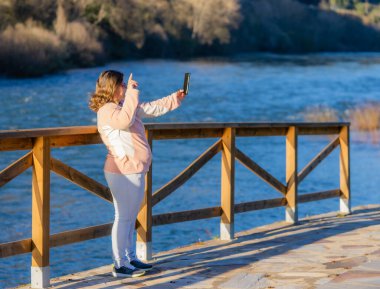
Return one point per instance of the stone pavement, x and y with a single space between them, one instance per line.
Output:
327 251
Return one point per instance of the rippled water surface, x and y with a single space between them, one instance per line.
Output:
246 89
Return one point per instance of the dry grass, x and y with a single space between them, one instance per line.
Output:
30 49
88 31
80 38
364 118
321 114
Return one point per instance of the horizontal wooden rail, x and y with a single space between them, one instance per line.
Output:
260 205
16 144
59 239
47 132
75 140
331 130
261 131
239 125
281 131
15 248
69 136
190 133
79 235
192 215
311 197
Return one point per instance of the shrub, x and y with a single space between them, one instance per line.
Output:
274 25
80 40
29 49
42 11
366 117
212 21
321 114
6 14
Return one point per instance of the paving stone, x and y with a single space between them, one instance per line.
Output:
292 286
246 281
344 286
322 281
375 281
346 263
371 265
229 262
376 252
353 275
321 252
207 284
314 248
353 247
304 274
192 282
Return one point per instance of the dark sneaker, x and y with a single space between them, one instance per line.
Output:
140 265
127 272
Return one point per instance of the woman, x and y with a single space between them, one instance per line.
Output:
119 114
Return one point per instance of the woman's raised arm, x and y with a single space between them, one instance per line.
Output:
161 106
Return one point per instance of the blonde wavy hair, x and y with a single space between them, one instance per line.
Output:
106 86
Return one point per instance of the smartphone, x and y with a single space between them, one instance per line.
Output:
186 83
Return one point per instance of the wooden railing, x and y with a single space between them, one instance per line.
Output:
39 143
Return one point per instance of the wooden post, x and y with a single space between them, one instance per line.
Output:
144 230
344 164
291 213
40 270
227 185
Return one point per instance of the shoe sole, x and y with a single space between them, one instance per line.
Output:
114 274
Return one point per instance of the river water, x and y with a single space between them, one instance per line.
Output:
244 89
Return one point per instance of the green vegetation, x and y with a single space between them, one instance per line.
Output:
42 36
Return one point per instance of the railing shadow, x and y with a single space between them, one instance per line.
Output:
201 261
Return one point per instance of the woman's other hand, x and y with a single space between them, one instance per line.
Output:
131 83
180 95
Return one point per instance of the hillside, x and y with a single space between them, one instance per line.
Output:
44 36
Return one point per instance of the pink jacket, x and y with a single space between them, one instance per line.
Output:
123 132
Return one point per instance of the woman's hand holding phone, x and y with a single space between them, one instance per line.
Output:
180 95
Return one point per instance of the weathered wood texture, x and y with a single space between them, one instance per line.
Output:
227 194
144 218
176 217
291 174
40 141
317 160
15 248
16 168
41 202
79 235
81 179
186 174
260 172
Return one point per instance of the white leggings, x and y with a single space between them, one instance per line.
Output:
128 193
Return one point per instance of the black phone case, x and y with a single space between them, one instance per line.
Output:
186 83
